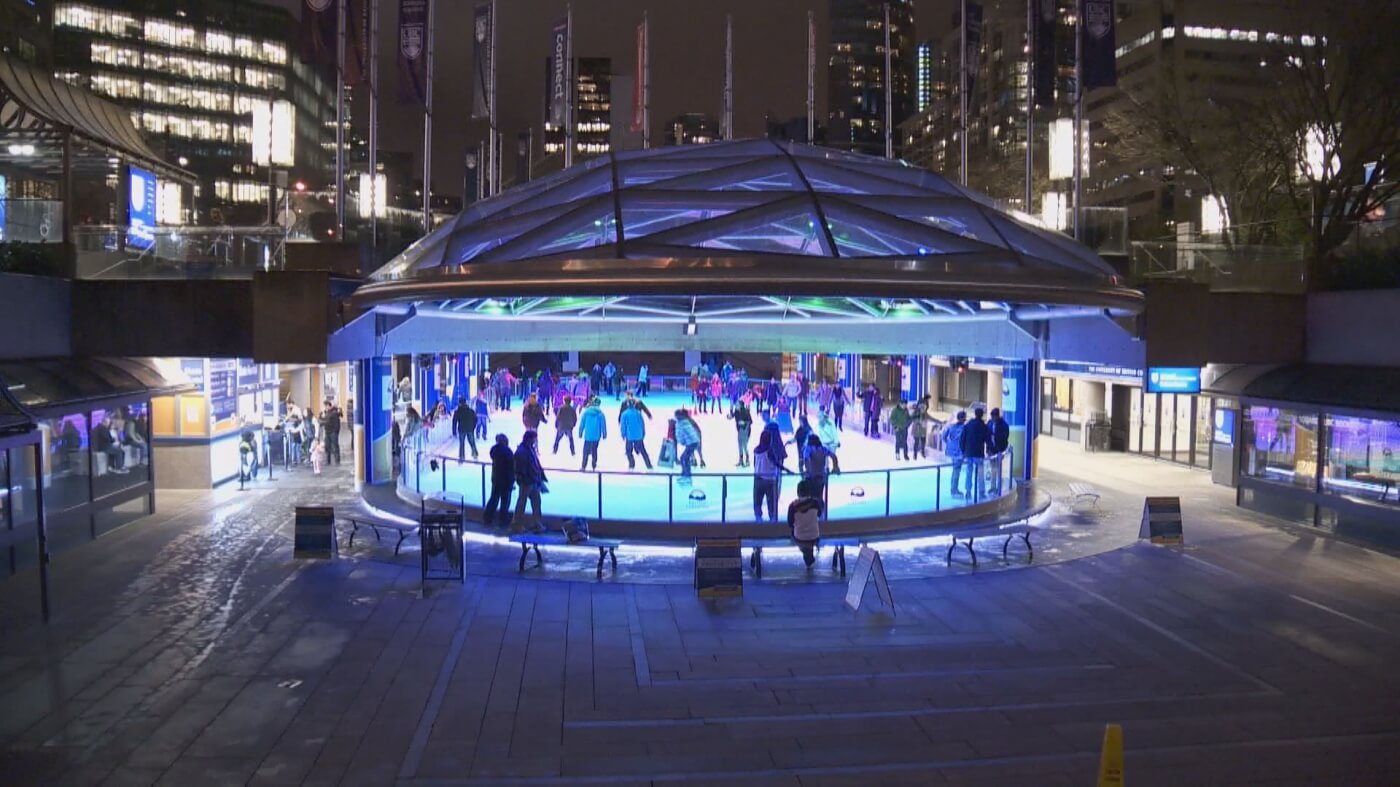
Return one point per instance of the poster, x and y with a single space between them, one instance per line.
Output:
141 209
223 388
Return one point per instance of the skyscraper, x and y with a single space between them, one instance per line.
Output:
856 72
592 110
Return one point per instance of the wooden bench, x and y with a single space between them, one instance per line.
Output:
838 555
607 547
1022 529
1080 492
401 529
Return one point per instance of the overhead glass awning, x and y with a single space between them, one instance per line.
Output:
59 382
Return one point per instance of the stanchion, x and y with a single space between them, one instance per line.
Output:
1111 758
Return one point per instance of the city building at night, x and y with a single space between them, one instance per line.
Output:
856 73
692 128
593 112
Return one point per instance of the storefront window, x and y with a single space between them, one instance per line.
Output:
120 449
66 473
1280 446
22 505
1363 458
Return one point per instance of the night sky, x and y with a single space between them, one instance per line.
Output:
687 64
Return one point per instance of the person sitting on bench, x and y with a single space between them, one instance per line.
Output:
105 440
804 518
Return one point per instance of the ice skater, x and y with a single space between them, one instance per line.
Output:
743 425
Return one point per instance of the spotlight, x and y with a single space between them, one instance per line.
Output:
691 328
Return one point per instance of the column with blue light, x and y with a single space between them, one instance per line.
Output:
376 397
918 383
1020 385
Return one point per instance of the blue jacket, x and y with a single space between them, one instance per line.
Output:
593 426
686 432
633 426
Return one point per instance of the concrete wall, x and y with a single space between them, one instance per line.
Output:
34 316
158 318
1354 328
292 316
1094 340
1187 325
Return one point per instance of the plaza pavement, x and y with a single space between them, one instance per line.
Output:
191 649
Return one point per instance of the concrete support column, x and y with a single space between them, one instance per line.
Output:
995 389
376 397
1019 387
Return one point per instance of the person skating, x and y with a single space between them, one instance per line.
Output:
688 440
497 508
768 469
483 414
840 397
565 419
644 379
818 462
633 428
804 430
532 414
743 425
610 379
464 427
870 403
546 388
827 430
899 423
630 402
918 432
593 428
530 477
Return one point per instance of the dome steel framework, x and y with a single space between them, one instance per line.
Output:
746 230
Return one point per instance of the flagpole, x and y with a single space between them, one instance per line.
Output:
1078 116
646 81
495 172
1030 102
728 124
374 123
428 130
340 121
889 89
811 78
570 86
962 96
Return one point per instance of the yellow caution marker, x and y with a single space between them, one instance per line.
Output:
1111 759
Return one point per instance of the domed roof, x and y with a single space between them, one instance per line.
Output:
750 217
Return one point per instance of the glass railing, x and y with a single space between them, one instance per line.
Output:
1234 268
718 497
31 221
114 252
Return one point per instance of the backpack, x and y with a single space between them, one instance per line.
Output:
575 529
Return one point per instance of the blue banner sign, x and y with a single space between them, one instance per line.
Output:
1092 370
1171 379
141 209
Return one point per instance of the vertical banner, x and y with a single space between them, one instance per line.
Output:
974 46
482 59
1099 69
1046 22
558 72
318 31
1019 383
356 41
413 51
639 83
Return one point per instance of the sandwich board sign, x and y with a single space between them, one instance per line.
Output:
1161 520
868 566
314 532
719 568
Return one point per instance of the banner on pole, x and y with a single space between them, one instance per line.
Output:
638 84
319 22
1099 67
413 51
356 41
558 72
974 45
482 40
1047 15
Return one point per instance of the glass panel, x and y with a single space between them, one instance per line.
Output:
66 470
1183 428
913 490
1279 446
856 495
121 455
1363 458
699 501
110 519
1204 431
571 493
1149 423
24 545
1167 425
739 498
635 497
793 231
464 478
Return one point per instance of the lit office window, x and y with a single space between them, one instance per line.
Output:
173 35
97 20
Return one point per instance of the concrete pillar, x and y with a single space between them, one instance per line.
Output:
376 412
1020 386
995 381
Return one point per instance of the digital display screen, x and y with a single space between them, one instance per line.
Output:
1225 427
141 209
1171 379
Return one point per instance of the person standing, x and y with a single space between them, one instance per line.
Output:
595 378
546 390
688 438
840 397
609 374
531 413
593 428
633 428
918 432
952 447
497 509
483 414
1000 442
804 392
743 425
619 382
804 430
464 427
871 402
530 477
565 419
702 394
716 391
815 461
768 469
644 379
899 423
976 437
828 432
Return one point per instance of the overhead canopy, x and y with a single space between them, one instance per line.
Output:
60 382
1369 388
36 106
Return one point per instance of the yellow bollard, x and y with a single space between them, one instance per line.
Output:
1111 759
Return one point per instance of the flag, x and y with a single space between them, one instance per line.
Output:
557 102
1043 51
482 23
639 83
974 44
318 31
1099 68
413 53
356 41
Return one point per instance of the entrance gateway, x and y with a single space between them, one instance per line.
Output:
772 258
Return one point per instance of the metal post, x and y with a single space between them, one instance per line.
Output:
496 150
428 127
374 124
723 498
340 123
887 493
938 488
571 87
962 95
811 78
1078 117
70 254
600 495
727 116
670 498
482 468
889 89
1030 103
646 81
42 519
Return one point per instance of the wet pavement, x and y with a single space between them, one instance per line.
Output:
190 648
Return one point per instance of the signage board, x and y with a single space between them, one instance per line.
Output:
868 566
1224 433
1161 520
249 376
1125 373
141 209
314 532
1173 379
194 370
719 568
223 388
